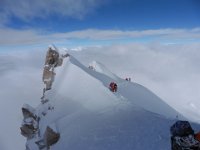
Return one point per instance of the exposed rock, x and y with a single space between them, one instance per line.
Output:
53 59
60 61
28 111
30 125
30 122
28 131
44 100
51 136
48 77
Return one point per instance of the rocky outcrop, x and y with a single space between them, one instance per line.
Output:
48 77
30 122
28 131
39 139
51 136
53 59
28 111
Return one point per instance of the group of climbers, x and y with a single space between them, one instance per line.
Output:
91 67
128 79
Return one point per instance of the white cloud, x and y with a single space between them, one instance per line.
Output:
20 77
114 34
171 71
28 9
30 36
12 36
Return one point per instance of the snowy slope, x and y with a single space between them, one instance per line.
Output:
89 116
133 92
99 67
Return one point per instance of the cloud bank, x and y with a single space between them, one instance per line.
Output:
170 71
114 34
20 77
31 36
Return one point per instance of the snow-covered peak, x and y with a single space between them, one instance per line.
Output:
75 81
134 93
99 67
82 108
52 46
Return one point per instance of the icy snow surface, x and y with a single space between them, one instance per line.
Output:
90 117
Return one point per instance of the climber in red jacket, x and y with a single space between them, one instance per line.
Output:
113 87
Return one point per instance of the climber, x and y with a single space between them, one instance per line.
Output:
197 136
113 87
91 67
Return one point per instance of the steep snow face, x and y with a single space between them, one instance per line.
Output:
140 96
89 116
74 83
133 92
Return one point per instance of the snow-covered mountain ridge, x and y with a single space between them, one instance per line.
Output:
87 115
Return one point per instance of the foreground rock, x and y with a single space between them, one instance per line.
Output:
30 122
30 128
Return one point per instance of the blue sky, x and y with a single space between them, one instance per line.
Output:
43 19
119 14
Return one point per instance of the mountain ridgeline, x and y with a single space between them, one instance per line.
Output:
78 111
